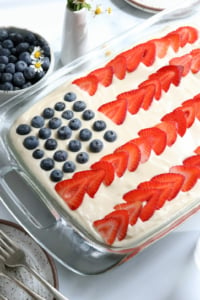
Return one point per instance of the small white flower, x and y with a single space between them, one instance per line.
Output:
37 53
37 66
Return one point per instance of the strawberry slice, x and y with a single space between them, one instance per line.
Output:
134 155
189 113
169 127
149 53
108 168
162 45
72 191
133 208
191 174
168 75
104 75
197 150
178 117
174 40
144 147
119 160
88 83
195 67
115 110
92 178
118 65
149 209
133 57
156 137
193 161
134 100
113 226
185 61
187 34
157 86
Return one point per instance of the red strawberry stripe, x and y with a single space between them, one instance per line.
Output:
191 175
156 137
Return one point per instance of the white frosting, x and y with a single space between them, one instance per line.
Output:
107 197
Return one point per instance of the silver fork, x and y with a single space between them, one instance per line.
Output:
15 257
19 283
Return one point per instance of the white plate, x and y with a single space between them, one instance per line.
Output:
152 6
37 259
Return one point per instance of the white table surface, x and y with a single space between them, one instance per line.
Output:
166 269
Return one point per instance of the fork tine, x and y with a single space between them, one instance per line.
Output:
8 241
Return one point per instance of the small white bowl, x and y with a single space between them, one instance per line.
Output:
6 95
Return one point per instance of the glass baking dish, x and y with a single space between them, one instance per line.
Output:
45 220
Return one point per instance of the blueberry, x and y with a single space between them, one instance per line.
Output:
74 145
38 153
70 96
46 50
2 67
48 113
7 86
85 134
10 68
59 106
96 146
88 114
30 142
12 58
50 144
20 66
4 59
99 125
22 47
82 157
25 56
16 37
39 75
75 124
64 132
60 155
44 133
46 63
29 73
56 175
18 79
30 37
37 122
23 129
3 34
54 123
67 114
6 77
5 52
69 166
47 164
79 106
7 44
110 136
26 85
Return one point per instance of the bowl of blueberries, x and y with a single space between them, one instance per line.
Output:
25 61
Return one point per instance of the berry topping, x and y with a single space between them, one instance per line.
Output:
88 83
48 113
69 167
54 123
82 157
44 133
110 136
79 106
60 155
59 106
38 153
64 132
75 124
74 145
88 114
18 79
96 146
56 175
23 129
37 122
99 125
50 144
85 134
30 142
47 164
70 96
67 114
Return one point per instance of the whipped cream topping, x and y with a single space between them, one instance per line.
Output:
108 196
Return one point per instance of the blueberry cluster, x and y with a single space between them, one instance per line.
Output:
24 59
61 123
